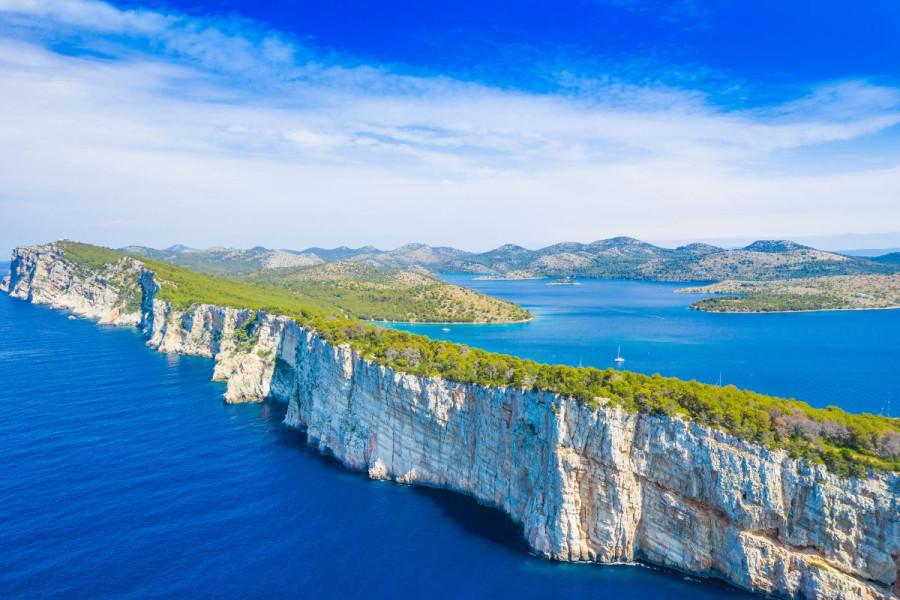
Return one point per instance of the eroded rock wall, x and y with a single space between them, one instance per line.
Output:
603 485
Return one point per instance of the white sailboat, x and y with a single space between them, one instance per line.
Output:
619 358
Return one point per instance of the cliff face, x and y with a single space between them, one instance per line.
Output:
39 275
604 485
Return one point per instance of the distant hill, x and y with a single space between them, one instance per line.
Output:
775 246
613 258
628 258
360 285
870 252
889 259
225 262
340 253
179 248
370 292
759 261
404 256
698 248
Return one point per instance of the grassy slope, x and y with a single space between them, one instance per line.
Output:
183 287
353 289
370 293
845 442
224 263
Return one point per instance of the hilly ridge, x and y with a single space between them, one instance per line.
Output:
628 258
362 288
613 258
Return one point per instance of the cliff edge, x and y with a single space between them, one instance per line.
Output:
602 485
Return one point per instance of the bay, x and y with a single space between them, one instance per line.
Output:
850 359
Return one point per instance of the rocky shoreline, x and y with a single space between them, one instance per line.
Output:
600 485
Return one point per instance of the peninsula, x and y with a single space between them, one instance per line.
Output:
356 289
769 494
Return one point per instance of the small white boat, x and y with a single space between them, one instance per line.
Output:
445 329
619 358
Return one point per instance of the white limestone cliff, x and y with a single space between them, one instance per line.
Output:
603 485
112 295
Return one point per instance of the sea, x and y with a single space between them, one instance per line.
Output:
124 475
849 359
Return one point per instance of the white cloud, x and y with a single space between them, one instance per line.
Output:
234 129
95 16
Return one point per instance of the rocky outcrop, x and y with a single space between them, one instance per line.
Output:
112 295
586 485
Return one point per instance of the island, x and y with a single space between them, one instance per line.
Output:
838 292
769 494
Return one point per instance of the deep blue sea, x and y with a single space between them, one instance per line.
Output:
849 359
124 475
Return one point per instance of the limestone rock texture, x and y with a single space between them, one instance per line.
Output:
112 295
601 485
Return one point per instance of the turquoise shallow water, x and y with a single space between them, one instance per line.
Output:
850 359
123 475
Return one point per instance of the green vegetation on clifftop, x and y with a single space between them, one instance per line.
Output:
355 289
846 443
183 287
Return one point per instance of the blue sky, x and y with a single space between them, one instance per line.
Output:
737 50
292 124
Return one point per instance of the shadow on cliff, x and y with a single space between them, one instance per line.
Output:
490 524
486 522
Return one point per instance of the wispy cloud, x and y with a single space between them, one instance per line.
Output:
689 14
123 110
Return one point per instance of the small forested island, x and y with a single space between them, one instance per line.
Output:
837 292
